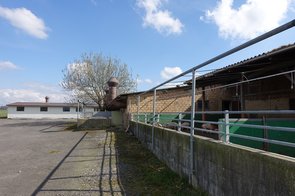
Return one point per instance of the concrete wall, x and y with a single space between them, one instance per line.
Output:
34 112
117 118
104 114
221 169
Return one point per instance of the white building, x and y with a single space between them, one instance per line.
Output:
39 110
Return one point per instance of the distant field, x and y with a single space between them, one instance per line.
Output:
3 113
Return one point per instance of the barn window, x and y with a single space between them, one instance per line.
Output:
43 109
20 108
66 109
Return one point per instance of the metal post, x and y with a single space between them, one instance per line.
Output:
154 115
78 110
242 99
179 122
145 118
192 131
78 115
266 35
203 103
265 134
158 118
226 136
138 102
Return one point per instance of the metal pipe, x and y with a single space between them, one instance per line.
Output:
264 36
249 80
251 112
138 102
192 130
238 112
226 136
286 129
265 134
78 115
145 118
154 115
264 140
179 122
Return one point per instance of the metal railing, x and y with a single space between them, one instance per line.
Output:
192 121
223 125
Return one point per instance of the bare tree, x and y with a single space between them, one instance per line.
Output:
87 78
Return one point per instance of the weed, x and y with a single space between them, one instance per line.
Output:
141 173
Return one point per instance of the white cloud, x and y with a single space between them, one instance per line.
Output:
25 20
5 65
169 72
32 92
149 81
252 18
142 81
161 20
46 88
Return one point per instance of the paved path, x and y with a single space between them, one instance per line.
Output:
90 168
40 158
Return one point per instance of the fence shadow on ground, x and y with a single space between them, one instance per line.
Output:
111 162
90 167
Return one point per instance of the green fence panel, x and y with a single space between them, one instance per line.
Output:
261 133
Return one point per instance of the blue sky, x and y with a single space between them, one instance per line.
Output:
158 39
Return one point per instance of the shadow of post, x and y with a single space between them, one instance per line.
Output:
111 162
90 167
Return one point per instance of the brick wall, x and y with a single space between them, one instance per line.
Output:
268 104
177 100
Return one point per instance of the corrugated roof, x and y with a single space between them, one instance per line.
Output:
158 90
275 51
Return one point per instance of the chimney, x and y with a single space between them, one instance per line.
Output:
46 99
112 83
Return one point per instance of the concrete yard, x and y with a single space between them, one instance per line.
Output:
38 157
